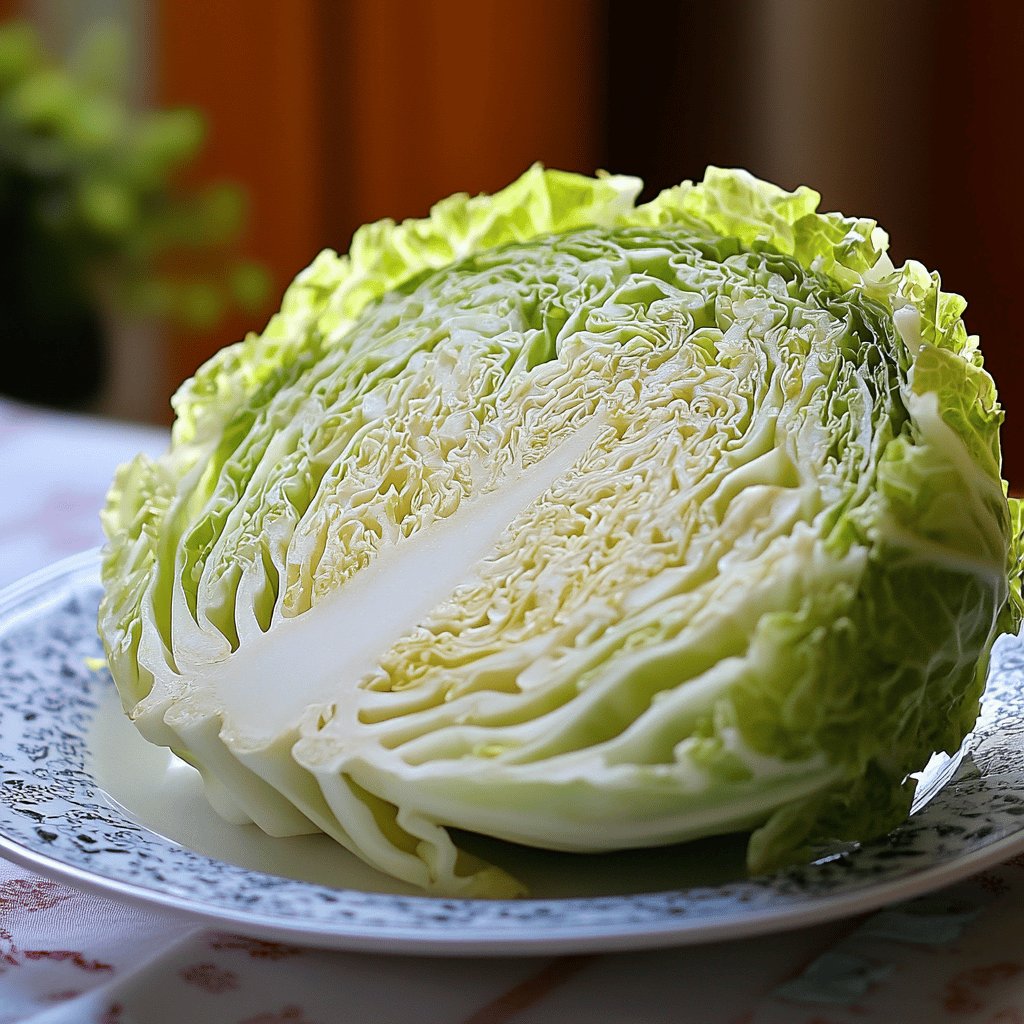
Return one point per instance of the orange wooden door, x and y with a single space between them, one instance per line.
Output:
334 113
459 96
246 64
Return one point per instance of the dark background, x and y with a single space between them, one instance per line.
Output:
334 112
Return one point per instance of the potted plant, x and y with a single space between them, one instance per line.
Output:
94 219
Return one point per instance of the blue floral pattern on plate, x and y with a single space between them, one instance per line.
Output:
56 819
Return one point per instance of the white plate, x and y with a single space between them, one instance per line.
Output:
84 799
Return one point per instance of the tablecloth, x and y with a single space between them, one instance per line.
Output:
67 957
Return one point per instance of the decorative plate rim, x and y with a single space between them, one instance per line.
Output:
429 925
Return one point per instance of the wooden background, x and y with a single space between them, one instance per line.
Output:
334 112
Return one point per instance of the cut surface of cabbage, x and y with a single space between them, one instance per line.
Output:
576 523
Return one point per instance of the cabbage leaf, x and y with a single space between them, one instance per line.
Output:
577 523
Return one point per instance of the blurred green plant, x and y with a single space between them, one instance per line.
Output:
92 212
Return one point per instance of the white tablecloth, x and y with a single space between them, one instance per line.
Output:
956 956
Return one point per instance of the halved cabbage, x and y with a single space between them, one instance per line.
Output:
576 523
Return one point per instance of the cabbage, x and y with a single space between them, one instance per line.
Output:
575 523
